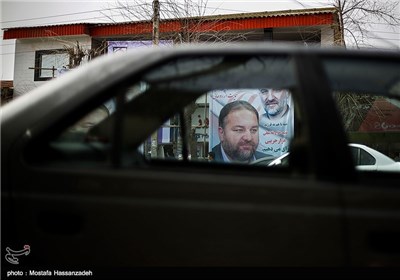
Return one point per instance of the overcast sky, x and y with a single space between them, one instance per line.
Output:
17 13
33 12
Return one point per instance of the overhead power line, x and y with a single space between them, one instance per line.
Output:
215 9
61 15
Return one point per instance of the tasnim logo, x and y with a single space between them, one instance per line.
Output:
11 254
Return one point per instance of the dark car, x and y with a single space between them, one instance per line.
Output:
106 167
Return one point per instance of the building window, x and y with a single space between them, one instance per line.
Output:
48 61
119 49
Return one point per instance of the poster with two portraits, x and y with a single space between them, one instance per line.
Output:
275 132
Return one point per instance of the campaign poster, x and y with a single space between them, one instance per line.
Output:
274 133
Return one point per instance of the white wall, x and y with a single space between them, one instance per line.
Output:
7 51
327 36
25 57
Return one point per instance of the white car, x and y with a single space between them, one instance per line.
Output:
365 158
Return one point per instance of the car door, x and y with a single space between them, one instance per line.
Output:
365 88
107 198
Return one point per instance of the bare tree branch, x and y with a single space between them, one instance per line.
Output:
358 17
190 15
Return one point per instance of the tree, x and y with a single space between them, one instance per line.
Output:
354 108
356 18
77 53
190 14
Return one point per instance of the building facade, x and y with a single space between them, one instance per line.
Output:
44 52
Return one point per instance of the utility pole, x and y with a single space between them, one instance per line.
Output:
156 40
156 22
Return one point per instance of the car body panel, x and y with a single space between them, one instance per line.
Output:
220 220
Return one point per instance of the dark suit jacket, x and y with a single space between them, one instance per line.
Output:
218 153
